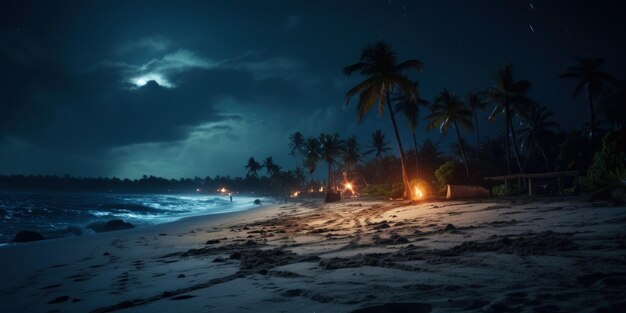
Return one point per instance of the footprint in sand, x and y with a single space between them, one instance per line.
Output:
51 286
60 299
183 297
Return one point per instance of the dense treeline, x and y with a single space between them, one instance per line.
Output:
151 184
531 139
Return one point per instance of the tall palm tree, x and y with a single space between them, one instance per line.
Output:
539 132
467 148
253 167
331 147
408 105
311 154
384 75
476 102
509 99
272 168
351 155
448 110
296 144
593 80
378 144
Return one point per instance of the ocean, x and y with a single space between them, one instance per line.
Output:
59 214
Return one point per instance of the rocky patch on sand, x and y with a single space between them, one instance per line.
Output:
27 235
112 225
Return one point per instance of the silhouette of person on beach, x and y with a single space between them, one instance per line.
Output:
231 196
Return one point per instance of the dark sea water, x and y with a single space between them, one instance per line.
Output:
58 215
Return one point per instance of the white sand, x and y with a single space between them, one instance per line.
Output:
311 257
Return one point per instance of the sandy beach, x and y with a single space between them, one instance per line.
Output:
515 255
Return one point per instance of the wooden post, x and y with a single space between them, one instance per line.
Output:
560 185
530 187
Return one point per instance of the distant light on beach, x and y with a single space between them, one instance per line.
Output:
348 190
295 194
198 189
418 193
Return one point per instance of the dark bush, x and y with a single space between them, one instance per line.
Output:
608 169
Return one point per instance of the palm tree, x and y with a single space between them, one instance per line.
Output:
272 168
408 105
331 147
253 167
311 154
378 144
351 155
448 110
539 132
509 98
593 80
475 102
467 148
296 144
384 75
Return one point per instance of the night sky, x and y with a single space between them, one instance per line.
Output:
183 89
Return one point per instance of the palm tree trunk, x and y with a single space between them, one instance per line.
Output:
477 139
506 140
516 149
458 138
405 178
593 119
417 170
362 177
545 159
329 176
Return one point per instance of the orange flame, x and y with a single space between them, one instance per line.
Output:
418 193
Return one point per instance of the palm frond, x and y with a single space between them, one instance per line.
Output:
359 89
360 66
366 102
410 64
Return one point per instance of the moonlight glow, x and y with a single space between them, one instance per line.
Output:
144 79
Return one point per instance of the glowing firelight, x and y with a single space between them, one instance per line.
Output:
321 189
418 193
295 194
349 187
222 190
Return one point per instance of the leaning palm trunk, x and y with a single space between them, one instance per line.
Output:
515 148
405 178
330 174
593 119
417 170
545 159
458 138
506 140
477 139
